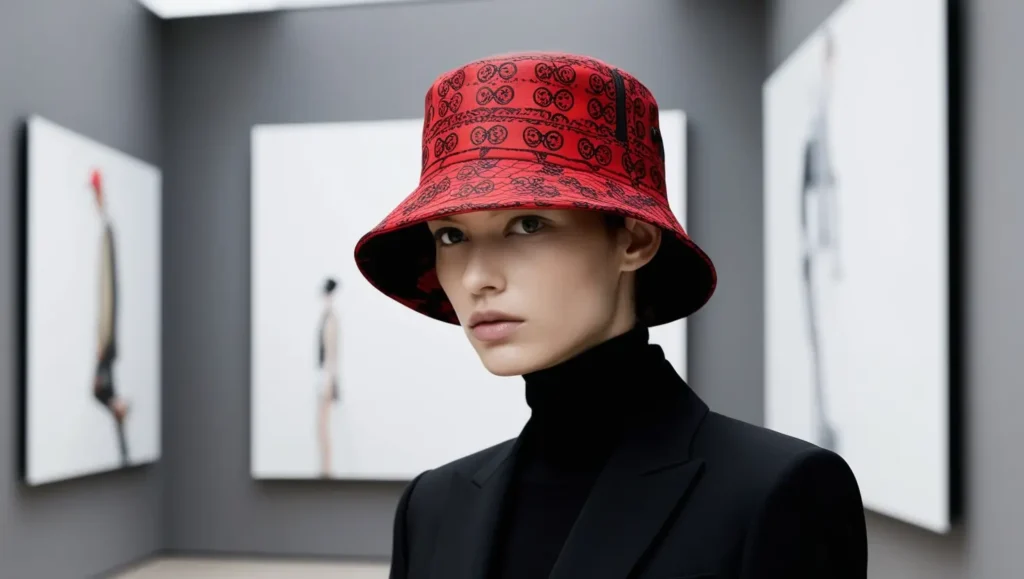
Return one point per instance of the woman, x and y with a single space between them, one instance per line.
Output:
327 375
820 248
541 225
106 352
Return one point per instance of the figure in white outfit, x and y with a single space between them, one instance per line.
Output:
821 257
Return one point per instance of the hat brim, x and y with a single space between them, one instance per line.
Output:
397 256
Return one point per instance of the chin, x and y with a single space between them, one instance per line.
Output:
510 359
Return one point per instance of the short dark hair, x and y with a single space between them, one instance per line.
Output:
329 285
614 221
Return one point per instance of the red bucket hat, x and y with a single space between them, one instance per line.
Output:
538 131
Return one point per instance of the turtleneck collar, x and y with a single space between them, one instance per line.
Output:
597 375
580 406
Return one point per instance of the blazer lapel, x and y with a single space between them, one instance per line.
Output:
638 492
465 539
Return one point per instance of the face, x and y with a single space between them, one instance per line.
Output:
329 296
534 288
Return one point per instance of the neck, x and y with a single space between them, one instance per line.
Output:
580 406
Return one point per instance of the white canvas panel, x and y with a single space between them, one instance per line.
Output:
69 433
860 346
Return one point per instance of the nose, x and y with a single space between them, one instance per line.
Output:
484 273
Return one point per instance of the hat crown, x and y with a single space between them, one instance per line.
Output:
537 131
560 109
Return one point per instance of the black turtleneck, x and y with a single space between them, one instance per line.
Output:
580 409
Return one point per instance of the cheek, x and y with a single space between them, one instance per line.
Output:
569 286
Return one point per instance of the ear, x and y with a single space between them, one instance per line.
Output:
642 242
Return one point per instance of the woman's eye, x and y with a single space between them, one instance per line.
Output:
527 225
448 236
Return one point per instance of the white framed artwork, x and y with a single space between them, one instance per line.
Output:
92 298
857 251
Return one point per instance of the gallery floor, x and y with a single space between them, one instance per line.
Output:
187 568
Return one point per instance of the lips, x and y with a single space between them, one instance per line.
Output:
491 317
492 326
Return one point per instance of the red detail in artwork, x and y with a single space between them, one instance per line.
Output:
96 180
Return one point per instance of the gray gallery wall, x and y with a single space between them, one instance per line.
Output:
92 67
222 75
988 544
109 70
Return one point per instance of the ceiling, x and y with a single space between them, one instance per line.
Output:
190 8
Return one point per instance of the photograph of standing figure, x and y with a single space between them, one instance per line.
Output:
92 282
328 390
820 250
106 352
857 251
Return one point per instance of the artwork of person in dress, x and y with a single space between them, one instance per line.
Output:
328 391
106 350
819 217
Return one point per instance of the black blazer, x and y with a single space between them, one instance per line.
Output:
694 495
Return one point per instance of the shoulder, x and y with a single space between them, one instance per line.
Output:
749 466
419 514
760 454
781 488
436 479
425 496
